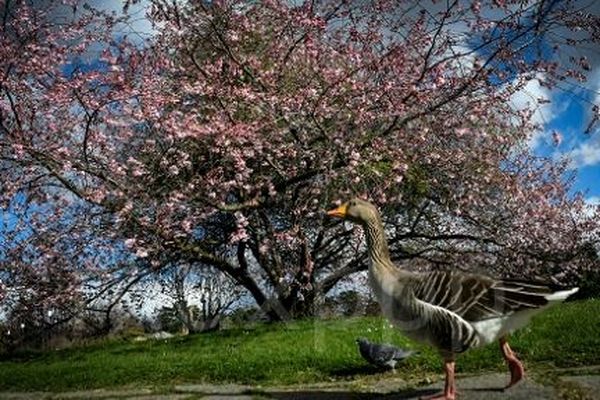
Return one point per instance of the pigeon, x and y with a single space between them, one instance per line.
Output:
382 355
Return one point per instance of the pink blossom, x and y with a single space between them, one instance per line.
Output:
143 253
556 138
239 146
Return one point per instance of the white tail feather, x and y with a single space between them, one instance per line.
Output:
491 329
562 295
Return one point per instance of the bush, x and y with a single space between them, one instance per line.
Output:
242 316
589 285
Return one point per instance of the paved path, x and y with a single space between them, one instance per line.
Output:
483 387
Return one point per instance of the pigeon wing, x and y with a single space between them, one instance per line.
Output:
400 354
383 353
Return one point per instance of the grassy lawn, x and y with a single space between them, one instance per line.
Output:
300 352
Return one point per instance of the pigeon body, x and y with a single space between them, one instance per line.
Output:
382 355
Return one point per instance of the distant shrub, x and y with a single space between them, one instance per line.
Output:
242 316
372 308
350 302
589 285
132 331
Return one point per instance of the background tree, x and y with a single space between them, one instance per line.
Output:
220 139
199 298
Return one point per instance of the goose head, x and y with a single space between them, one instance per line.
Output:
357 211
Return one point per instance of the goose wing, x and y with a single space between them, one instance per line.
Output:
477 297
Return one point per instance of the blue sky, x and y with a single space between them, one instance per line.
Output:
569 110
569 114
583 148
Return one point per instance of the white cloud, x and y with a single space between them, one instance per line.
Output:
465 57
593 200
528 98
587 153
592 203
138 28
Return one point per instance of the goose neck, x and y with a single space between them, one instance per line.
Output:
377 242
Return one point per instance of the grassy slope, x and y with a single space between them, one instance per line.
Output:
298 352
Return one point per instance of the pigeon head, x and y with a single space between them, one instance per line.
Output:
362 340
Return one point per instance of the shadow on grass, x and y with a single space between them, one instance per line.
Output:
357 370
22 356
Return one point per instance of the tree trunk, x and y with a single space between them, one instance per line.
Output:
301 306
272 308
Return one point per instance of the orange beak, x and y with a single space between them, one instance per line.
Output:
339 212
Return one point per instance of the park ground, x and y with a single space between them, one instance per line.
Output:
310 359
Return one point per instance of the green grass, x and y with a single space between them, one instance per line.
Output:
300 352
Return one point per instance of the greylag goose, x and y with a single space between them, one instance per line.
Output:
450 310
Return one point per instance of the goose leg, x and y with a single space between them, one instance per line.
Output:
449 387
515 366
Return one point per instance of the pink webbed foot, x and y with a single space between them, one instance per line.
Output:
450 386
440 396
515 366
517 372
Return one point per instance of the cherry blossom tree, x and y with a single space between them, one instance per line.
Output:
220 140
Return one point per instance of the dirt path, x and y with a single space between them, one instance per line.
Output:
564 385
